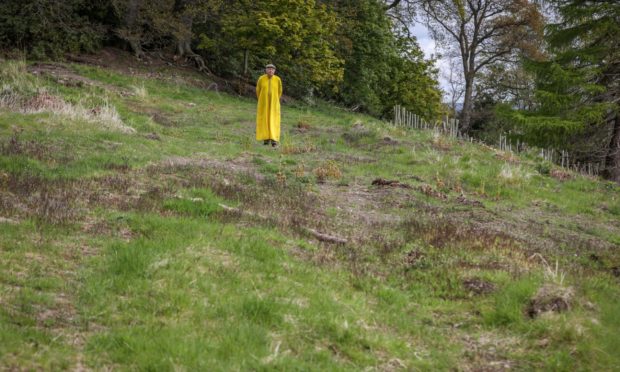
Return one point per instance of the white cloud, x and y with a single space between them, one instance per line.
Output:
427 44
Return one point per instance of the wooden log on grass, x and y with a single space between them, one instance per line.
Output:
318 235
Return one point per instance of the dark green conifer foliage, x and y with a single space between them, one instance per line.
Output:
577 87
50 28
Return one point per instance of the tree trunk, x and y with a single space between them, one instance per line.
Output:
184 43
467 103
133 35
246 57
612 160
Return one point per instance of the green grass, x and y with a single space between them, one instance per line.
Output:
188 245
205 295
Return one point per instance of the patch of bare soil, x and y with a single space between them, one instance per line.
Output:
241 165
471 202
432 192
353 159
358 206
536 230
487 353
413 258
478 286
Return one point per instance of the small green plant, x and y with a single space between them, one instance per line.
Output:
509 304
543 168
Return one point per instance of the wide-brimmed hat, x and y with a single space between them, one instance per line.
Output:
270 66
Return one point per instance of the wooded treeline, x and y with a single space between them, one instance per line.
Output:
346 51
543 72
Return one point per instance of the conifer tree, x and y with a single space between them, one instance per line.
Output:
578 86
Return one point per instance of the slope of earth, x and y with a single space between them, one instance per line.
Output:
143 227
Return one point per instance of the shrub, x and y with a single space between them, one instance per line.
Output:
543 168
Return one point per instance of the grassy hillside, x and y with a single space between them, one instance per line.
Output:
143 227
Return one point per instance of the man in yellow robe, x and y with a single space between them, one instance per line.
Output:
268 92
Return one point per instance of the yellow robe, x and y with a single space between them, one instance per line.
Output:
268 92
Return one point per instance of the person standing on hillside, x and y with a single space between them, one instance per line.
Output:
268 93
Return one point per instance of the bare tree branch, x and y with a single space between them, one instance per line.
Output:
394 4
484 32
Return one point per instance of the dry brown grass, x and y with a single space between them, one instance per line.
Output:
508 156
441 142
328 170
302 126
442 232
430 191
105 115
551 298
513 174
57 205
560 174
15 145
292 149
54 202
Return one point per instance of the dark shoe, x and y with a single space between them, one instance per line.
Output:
265 142
274 143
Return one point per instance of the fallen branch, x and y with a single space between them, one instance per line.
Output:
391 183
320 236
229 209
242 212
324 237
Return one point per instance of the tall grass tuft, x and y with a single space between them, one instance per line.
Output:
509 303
17 84
22 92
140 91
513 174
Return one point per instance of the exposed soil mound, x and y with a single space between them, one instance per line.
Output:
478 286
550 298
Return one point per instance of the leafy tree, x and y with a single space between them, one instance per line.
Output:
483 33
383 65
365 43
412 82
49 28
295 35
